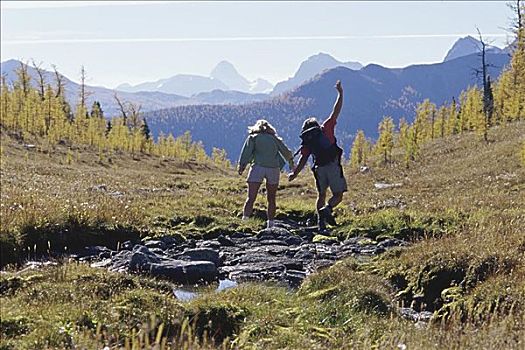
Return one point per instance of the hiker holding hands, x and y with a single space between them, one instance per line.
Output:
320 142
268 154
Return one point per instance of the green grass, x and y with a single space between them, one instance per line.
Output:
61 306
461 206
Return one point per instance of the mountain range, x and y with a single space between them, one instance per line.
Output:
468 46
224 86
370 93
227 101
223 77
149 100
310 68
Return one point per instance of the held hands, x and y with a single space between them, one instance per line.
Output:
240 170
291 174
339 87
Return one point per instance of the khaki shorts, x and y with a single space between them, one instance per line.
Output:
259 173
330 175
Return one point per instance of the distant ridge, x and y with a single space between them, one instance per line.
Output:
181 84
468 46
370 93
309 68
148 99
224 77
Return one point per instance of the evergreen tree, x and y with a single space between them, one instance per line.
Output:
441 121
198 153
23 78
359 152
146 133
6 114
385 142
424 121
220 159
108 127
403 132
405 140
453 122
509 93
96 110
118 136
472 115
412 145
183 146
464 114
488 107
502 98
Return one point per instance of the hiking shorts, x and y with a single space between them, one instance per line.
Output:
259 173
330 175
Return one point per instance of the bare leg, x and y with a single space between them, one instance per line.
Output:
321 199
253 188
325 213
271 192
337 197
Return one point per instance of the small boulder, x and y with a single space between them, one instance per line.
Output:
293 240
155 244
185 271
201 254
272 233
93 252
225 241
211 244
142 258
127 245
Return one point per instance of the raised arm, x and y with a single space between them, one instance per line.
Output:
339 102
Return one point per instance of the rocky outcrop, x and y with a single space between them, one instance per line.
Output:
286 253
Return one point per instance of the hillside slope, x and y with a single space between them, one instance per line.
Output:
370 93
148 95
461 206
149 100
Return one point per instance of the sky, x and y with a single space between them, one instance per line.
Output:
133 42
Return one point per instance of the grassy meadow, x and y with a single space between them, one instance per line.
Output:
461 205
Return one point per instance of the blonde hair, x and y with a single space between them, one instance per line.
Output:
262 126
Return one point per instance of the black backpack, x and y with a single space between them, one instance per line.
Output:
319 145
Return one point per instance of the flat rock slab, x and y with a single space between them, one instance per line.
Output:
284 253
185 272
144 260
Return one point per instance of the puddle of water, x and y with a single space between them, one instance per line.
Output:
225 284
37 264
186 295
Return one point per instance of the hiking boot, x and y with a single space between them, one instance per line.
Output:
326 213
321 224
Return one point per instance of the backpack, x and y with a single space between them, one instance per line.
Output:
319 145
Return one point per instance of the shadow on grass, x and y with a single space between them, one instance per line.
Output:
71 236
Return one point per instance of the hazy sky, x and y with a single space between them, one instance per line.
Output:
137 41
